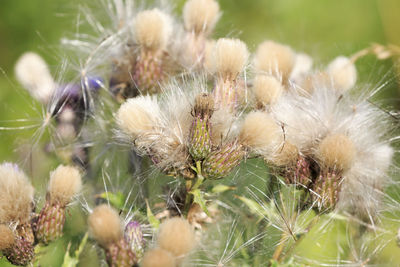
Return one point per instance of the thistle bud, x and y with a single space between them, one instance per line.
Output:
33 74
176 236
335 154
152 31
158 258
200 138
106 228
16 200
343 73
134 237
65 183
275 59
230 58
290 164
221 162
17 247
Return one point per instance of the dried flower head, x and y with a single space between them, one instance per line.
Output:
274 58
65 183
336 152
138 115
7 238
343 73
33 73
302 66
286 156
203 105
105 225
362 191
260 132
176 236
230 57
267 89
153 29
200 16
16 194
158 257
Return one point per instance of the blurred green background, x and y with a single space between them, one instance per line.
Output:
321 28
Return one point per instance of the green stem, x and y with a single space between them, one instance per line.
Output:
190 186
278 251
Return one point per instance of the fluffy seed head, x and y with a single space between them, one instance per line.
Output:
158 258
6 237
274 58
153 29
138 115
33 74
343 73
176 236
259 130
287 155
105 225
16 194
65 183
267 89
230 57
302 66
200 15
336 151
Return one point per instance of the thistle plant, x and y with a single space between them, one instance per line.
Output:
199 151
22 229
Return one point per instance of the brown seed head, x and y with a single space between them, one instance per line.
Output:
274 58
200 15
176 236
16 194
7 238
158 257
203 105
65 183
337 152
105 225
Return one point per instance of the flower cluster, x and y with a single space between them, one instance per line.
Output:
21 228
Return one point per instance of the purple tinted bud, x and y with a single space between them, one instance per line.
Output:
134 237
94 83
69 91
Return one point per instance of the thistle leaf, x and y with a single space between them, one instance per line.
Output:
199 199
